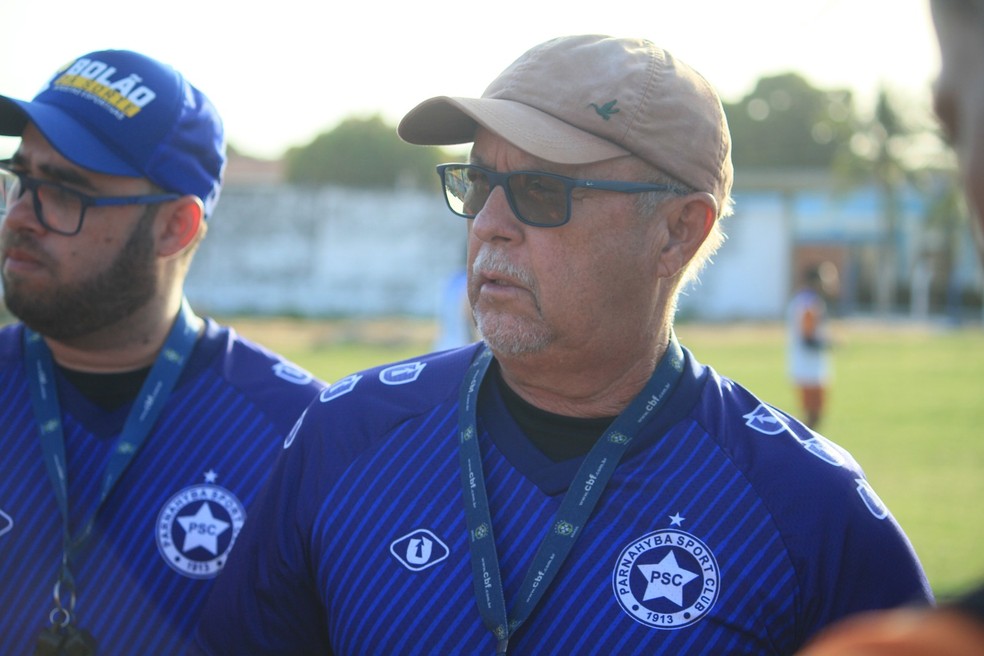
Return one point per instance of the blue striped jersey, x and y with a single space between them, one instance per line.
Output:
167 527
727 528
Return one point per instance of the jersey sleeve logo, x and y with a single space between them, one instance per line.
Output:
872 501
667 579
824 449
401 374
197 527
765 420
292 373
419 550
340 387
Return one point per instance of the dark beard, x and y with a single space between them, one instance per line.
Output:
81 308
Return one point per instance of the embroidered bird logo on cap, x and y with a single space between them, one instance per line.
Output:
605 111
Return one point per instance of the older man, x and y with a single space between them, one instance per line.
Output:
577 482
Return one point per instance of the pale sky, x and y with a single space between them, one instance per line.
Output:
282 72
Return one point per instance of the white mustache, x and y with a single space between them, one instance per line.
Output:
490 261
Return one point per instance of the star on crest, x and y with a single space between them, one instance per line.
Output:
666 579
210 476
676 520
202 530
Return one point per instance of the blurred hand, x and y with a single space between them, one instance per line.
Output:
923 632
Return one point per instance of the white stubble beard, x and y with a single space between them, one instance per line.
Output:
506 333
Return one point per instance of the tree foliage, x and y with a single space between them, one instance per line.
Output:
784 123
363 153
787 123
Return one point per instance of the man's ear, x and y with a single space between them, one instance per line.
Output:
688 223
178 223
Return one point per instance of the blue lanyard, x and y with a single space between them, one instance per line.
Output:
146 408
575 509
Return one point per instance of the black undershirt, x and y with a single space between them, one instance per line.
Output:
108 391
559 437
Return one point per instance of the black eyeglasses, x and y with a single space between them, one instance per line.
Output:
57 207
536 198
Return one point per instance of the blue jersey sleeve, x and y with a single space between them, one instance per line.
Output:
846 550
268 583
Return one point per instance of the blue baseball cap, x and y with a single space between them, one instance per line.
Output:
122 113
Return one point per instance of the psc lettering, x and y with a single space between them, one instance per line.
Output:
666 578
203 529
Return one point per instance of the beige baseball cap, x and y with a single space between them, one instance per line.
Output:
589 98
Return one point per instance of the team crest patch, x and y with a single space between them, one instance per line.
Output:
667 579
197 527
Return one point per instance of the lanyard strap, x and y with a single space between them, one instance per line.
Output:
575 508
144 412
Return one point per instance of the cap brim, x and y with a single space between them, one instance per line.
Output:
444 120
64 133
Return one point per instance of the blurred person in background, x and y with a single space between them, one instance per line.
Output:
808 340
956 627
134 433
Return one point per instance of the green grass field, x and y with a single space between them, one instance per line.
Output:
907 402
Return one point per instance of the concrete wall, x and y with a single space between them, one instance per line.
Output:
329 252
324 252
749 276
